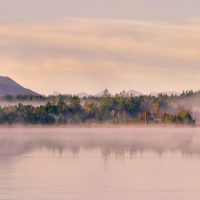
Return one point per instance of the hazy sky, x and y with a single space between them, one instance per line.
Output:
89 45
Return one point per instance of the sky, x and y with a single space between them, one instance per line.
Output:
87 46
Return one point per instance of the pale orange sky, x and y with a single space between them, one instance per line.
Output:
155 48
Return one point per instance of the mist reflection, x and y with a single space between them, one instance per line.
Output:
110 141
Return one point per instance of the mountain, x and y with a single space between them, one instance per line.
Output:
83 94
100 94
134 93
10 87
154 94
129 93
56 93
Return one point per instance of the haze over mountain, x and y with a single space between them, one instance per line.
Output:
10 87
83 94
100 94
133 93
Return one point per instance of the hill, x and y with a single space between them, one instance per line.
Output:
10 87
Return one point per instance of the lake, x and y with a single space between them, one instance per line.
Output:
99 163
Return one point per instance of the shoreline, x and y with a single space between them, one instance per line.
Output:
99 125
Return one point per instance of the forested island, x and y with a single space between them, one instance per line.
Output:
118 109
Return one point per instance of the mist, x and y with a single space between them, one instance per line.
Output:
109 141
191 103
4 103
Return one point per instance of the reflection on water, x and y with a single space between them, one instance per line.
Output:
99 164
117 141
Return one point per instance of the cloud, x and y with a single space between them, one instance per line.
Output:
85 54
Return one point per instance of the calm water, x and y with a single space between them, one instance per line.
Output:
99 164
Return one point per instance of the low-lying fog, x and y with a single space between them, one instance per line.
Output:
15 103
116 141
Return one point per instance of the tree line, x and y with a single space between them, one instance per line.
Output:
121 108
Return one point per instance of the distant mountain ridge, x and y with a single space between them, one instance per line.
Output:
128 93
9 87
83 94
133 93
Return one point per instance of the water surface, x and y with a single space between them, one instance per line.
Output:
99 163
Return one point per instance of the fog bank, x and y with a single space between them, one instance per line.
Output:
116 141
